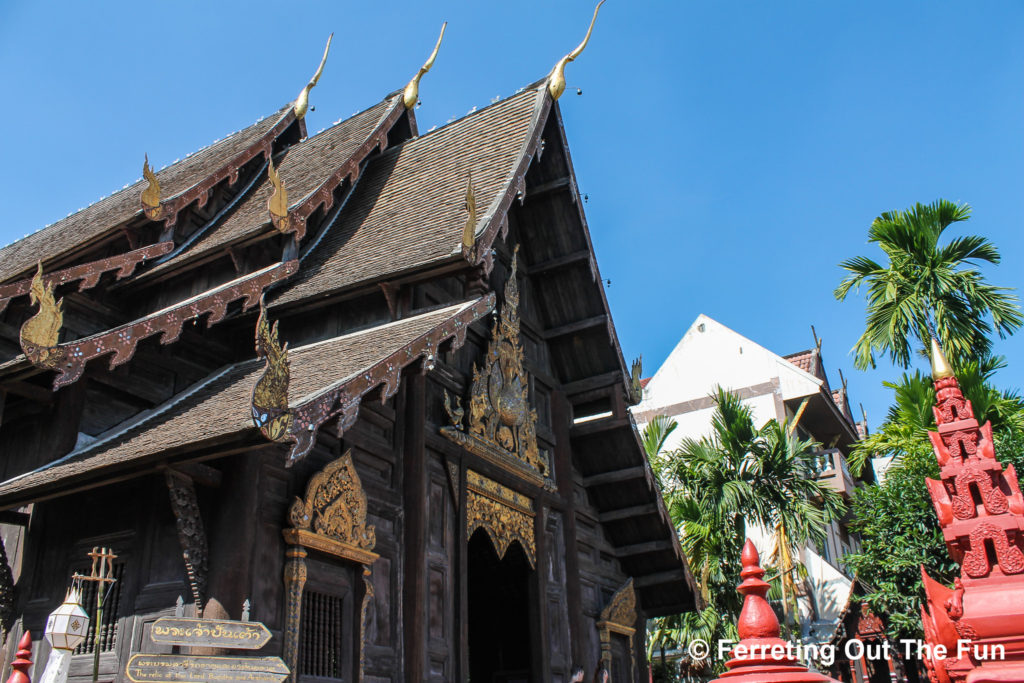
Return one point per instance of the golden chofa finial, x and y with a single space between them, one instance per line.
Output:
302 101
412 91
556 81
940 366
151 195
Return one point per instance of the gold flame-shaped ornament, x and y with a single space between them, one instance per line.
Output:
151 195
940 366
278 202
270 411
469 232
40 333
412 91
301 105
556 81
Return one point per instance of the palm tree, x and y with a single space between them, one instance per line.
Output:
910 417
928 288
714 484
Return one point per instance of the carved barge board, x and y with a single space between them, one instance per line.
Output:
88 273
295 221
168 209
497 217
343 397
69 359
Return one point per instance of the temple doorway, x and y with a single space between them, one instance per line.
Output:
499 612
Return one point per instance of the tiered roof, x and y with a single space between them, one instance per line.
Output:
369 204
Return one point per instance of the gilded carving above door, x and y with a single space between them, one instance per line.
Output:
502 424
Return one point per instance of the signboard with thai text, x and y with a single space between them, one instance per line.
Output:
145 668
240 635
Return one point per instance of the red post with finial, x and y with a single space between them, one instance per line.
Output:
23 660
761 656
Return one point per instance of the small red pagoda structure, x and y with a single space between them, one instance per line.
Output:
974 632
761 656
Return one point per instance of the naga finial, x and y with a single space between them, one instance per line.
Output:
40 333
278 202
469 232
412 91
556 81
302 101
270 411
940 366
151 195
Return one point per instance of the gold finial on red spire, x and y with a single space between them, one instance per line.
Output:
940 366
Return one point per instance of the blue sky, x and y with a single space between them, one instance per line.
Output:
732 152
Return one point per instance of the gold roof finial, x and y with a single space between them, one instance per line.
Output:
151 195
302 101
40 333
469 232
940 366
412 91
556 81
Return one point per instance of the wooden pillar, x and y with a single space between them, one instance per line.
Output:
231 540
294 583
540 631
561 416
462 555
416 501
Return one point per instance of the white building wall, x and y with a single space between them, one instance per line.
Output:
711 355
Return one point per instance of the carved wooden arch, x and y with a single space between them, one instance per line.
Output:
619 616
504 514
330 519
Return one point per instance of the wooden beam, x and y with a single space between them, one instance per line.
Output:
137 386
550 186
627 513
204 475
559 262
15 518
29 391
416 499
598 426
577 326
659 578
601 381
615 476
642 548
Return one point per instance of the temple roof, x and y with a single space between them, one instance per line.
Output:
105 215
218 408
408 210
303 167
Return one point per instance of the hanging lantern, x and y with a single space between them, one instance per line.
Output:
68 624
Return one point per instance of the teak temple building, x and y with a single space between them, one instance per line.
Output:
366 380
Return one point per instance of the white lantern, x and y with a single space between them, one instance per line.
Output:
68 624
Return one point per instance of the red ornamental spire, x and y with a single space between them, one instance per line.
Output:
23 661
761 656
981 512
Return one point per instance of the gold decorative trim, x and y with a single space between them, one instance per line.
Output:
502 425
301 105
39 334
412 91
332 517
505 515
619 616
270 394
469 232
556 81
151 195
278 202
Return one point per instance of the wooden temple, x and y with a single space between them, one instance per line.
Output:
365 380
